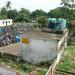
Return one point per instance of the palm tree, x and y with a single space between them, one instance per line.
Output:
72 4
8 5
68 3
64 2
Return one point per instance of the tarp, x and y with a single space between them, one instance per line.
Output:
1 30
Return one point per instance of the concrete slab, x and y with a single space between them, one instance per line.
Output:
13 49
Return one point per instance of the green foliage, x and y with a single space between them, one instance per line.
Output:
3 11
41 72
23 67
23 15
12 14
66 10
3 17
68 4
8 5
59 13
66 65
37 13
68 61
27 12
28 67
56 13
43 20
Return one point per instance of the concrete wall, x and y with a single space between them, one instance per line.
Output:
39 50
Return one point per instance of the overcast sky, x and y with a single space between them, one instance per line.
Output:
32 5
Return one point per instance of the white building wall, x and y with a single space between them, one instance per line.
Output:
7 22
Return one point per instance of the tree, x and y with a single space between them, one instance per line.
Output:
43 20
27 12
55 13
3 11
3 17
24 15
8 5
70 6
64 3
37 13
12 14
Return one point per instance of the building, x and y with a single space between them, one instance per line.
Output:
6 22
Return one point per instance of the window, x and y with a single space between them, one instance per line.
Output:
9 21
3 22
6 22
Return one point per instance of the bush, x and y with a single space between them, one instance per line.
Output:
43 21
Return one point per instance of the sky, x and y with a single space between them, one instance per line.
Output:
32 5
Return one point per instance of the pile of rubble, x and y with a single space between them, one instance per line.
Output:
7 36
9 33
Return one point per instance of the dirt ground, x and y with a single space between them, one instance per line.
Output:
13 49
45 35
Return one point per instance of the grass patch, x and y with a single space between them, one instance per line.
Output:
41 72
24 66
68 60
